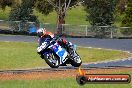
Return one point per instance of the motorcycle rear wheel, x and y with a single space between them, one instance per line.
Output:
76 61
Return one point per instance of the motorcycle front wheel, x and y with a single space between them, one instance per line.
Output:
52 60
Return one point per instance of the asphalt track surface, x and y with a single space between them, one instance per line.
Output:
118 44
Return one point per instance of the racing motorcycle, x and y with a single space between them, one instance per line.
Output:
56 55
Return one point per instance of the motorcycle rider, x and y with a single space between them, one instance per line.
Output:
44 34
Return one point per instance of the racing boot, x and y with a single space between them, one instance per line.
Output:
71 49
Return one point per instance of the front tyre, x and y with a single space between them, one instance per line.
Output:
76 61
51 60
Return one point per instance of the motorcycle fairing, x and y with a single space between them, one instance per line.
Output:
61 52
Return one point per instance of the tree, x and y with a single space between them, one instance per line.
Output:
127 20
23 12
4 3
60 6
121 6
100 12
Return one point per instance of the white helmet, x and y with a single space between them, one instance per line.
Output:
41 31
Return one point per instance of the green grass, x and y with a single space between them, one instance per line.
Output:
19 55
77 16
15 55
58 83
51 18
93 55
74 16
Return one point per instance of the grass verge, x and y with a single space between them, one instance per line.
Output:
58 83
16 55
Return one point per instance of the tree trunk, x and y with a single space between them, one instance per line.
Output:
61 21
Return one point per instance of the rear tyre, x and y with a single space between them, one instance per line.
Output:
76 61
52 60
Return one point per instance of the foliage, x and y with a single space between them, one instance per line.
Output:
60 6
4 3
121 6
100 13
47 6
24 13
43 6
127 20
